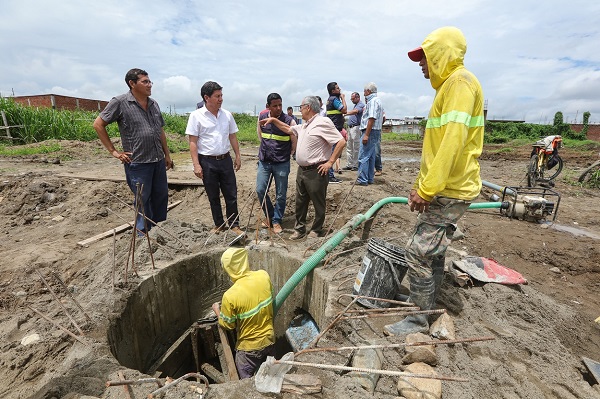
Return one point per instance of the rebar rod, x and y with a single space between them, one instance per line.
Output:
57 277
393 301
134 382
147 234
59 302
160 227
114 257
372 371
384 310
333 256
335 320
374 315
198 376
57 325
402 345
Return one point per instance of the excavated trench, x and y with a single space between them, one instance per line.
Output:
167 326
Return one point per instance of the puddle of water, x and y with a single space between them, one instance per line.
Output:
401 159
183 161
575 231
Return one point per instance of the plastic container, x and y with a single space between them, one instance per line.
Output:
381 274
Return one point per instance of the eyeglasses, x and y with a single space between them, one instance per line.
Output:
146 82
302 105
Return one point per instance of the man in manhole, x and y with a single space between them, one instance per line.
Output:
248 308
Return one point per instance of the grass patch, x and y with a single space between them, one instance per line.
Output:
502 150
400 137
46 148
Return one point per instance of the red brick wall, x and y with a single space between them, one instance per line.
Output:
61 102
593 130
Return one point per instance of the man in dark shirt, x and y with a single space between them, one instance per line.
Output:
274 154
145 154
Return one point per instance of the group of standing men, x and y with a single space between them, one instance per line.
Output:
448 180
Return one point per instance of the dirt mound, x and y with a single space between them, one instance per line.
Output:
541 329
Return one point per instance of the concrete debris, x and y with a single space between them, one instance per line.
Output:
443 327
555 270
367 359
419 354
30 339
420 388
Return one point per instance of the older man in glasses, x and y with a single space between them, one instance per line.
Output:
145 154
316 137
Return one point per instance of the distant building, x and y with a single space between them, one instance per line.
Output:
407 125
56 101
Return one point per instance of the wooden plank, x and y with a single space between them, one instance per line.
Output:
118 229
6 127
117 179
227 353
169 351
301 384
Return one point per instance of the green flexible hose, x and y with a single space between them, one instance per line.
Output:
338 237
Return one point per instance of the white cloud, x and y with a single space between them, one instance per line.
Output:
532 58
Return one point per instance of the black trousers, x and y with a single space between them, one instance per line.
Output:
219 177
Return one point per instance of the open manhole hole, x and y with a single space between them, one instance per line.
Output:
167 328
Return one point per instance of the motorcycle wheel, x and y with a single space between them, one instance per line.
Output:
587 173
557 168
532 171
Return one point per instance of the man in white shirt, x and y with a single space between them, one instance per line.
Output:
212 132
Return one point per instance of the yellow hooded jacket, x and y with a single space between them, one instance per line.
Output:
453 138
248 304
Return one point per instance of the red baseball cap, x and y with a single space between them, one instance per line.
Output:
416 55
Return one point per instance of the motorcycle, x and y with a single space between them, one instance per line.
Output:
544 158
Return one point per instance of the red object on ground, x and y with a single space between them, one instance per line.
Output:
489 271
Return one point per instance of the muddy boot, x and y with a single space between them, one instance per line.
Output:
422 291
438 277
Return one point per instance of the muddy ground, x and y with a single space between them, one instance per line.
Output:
542 329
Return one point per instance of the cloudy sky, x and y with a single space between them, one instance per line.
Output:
533 58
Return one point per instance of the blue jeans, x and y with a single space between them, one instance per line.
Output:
331 173
152 178
366 158
378 165
280 172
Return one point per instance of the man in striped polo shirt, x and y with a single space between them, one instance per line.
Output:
145 154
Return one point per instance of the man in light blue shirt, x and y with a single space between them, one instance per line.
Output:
370 127
354 133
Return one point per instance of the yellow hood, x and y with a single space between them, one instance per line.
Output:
445 50
235 263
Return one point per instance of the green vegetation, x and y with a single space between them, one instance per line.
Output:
503 132
247 125
30 150
41 124
400 137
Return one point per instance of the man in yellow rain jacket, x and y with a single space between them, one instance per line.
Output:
248 307
449 177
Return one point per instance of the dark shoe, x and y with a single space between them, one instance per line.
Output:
422 292
217 229
348 168
361 184
296 235
334 180
355 169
